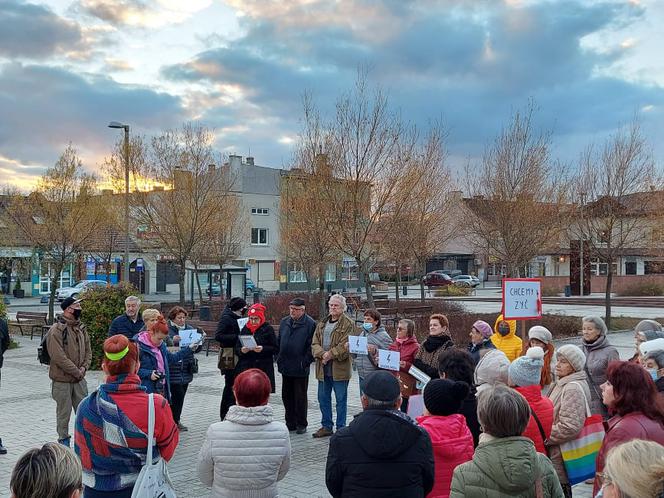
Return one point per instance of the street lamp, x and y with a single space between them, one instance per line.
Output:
583 229
125 127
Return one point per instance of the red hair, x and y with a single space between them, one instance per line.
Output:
634 391
160 325
115 344
252 388
442 319
546 378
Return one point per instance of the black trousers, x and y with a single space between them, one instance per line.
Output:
227 398
294 396
178 391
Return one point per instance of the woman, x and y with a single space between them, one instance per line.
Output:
636 469
51 470
156 360
480 338
261 356
247 453
450 437
439 340
570 396
407 346
645 330
505 338
599 353
638 411
150 316
653 360
118 411
539 336
377 338
492 370
505 463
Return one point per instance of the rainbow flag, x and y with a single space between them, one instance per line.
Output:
580 454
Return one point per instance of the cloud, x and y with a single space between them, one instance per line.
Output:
35 31
141 13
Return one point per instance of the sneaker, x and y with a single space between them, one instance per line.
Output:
183 428
322 432
301 430
65 442
3 450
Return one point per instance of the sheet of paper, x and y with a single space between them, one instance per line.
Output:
415 406
248 341
241 322
357 344
421 377
389 360
189 336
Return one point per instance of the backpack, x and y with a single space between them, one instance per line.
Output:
42 351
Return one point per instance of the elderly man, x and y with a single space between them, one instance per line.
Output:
68 346
333 363
130 322
296 332
382 453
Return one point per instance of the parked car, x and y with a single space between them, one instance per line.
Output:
64 292
437 279
217 289
466 281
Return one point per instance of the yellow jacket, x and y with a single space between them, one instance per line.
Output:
511 344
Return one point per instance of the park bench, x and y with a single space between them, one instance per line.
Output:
31 320
209 328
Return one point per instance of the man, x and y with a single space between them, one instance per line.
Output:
333 364
130 322
68 345
226 335
296 332
382 453
4 346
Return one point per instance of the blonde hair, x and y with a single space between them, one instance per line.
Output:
637 468
150 314
51 470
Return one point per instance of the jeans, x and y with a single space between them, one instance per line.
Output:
325 389
361 382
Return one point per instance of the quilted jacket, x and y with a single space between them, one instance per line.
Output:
382 340
598 355
543 408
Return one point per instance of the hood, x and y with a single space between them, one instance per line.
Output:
497 336
444 429
255 415
600 343
384 434
511 462
492 368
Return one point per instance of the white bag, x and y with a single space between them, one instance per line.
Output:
153 481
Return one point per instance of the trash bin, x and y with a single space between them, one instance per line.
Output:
568 291
205 314
405 290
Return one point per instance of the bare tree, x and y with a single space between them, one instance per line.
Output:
619 181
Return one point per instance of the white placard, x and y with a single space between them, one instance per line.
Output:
241 322
522 298
189 336
421 377
248 341
389 360
357 344
415 406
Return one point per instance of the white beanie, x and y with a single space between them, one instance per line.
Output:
527 370
540 333
492 368
651 346
573 355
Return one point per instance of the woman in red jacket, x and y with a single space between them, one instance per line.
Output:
408 347
524 377
638 411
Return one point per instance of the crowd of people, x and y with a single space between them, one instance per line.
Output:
495 418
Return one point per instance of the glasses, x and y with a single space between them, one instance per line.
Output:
604 479
401 328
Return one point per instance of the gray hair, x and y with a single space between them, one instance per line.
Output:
374 404
51 470
636 468
502 412
133 299
657 357
341 299
597 322
410 326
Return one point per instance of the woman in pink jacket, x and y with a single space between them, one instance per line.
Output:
408 347
450 437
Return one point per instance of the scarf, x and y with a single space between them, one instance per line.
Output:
259 311
144 338
433 342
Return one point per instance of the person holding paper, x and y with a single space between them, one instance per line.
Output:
377 338
260 355
226 334
407 346
439 340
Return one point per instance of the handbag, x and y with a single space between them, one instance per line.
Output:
579 454
193 366
406 384
227 359
153 480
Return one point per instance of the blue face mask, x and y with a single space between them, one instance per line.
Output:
367 326
653 373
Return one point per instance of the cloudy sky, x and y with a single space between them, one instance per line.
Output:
68 67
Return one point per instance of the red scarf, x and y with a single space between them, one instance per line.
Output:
256 310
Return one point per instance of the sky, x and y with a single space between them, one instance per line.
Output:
241 67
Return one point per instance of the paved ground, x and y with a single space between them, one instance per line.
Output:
28 419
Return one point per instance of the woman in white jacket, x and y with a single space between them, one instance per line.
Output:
247 453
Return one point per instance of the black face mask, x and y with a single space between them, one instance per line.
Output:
76 313
503 329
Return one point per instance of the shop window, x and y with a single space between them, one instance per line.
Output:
296 273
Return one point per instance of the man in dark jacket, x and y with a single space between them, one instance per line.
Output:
130 322
226 335
4 346
293 361
382 452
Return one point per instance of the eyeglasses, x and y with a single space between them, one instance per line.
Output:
604 479
401 328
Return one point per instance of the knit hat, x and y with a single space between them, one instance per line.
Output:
259 311
573 355
527 370
541 334
492 368
381 385
444 397
649 329
483 328
651 346
237 303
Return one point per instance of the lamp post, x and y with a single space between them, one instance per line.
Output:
581 265
125 127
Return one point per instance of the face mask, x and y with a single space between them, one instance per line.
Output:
503 329
367 326
77 313
653 373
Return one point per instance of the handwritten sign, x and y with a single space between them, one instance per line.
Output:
389 360
421 377
241 322
522 298
357 344
189 336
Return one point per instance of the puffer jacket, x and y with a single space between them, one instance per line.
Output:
427 358
543 408
452 445
511 344
598 355
341 362
569 397
245 455
181 372
505 467
70 355
407 351
382 340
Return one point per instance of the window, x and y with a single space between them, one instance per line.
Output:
261 211
296 274
350 271
600 268
653 267
259 236
331 272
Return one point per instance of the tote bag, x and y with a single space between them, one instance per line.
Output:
580 454
153 481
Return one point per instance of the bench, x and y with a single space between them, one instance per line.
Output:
32 320
209 328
